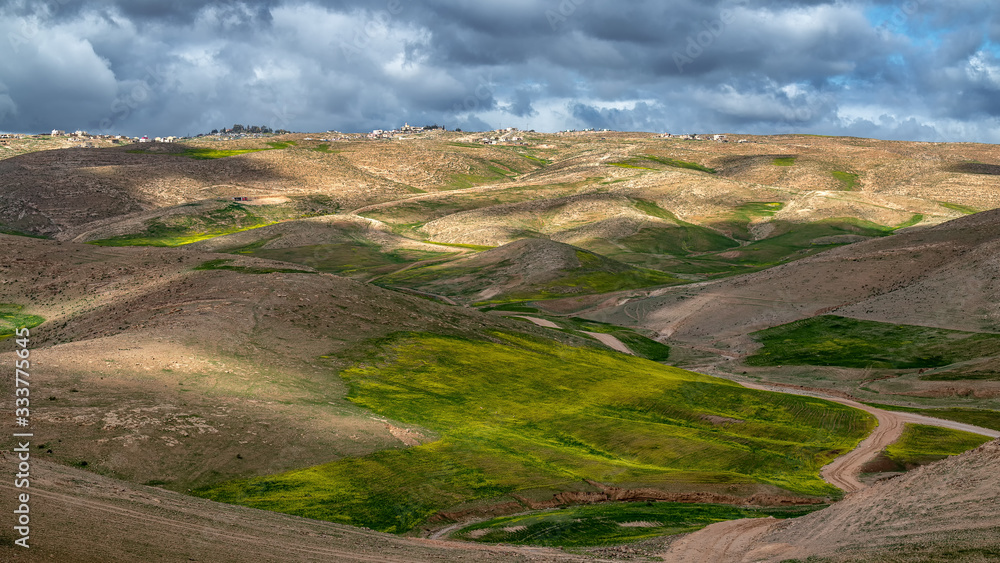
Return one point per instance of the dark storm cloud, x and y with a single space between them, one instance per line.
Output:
914 69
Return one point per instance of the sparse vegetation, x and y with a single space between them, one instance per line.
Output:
468 277
464 419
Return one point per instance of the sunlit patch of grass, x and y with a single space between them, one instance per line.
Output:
848 179
957 207
784 161
203 153
12 319
915 220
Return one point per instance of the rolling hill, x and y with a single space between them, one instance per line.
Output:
337 344
528 269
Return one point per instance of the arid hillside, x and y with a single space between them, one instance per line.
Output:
177 367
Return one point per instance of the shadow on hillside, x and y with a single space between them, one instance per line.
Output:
63 188
975 168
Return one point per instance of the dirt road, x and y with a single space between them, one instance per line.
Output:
727 542
719 543
843 471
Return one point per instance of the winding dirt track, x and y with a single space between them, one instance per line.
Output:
728 542
843 471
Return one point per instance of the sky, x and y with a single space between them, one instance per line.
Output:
923 70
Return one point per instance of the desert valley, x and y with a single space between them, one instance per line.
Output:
579 346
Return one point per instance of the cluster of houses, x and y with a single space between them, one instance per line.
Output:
716 138
145 139
392 134
508 136
579 131
86 140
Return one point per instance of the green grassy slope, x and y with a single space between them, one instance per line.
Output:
690 249
534 417
838 341
920 445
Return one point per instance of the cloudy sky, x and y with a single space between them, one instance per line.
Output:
895 69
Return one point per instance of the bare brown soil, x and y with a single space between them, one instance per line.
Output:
80 516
